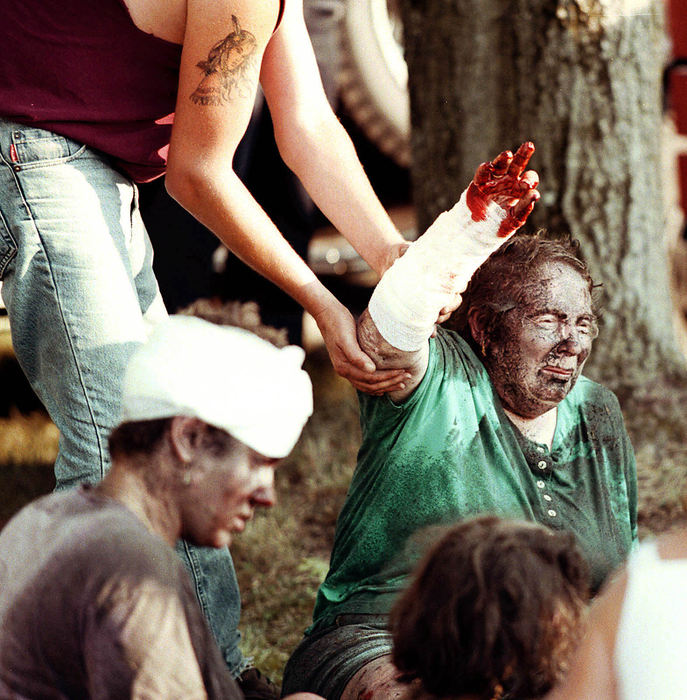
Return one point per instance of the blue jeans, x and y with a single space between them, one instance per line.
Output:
78 284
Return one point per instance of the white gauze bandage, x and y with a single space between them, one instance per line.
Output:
226 376
432 274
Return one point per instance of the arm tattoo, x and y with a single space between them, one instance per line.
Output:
227 68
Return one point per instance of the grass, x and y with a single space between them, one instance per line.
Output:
283 555
28 438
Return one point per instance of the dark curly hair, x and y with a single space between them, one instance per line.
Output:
494 610
239 314
499 284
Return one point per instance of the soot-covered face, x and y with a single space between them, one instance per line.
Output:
544 343
224 492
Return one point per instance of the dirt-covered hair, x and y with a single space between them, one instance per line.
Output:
495 610
499 284
145 437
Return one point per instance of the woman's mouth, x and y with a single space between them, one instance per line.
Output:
558 372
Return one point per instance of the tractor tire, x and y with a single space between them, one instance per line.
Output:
373 84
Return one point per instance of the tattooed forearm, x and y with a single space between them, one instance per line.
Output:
227 70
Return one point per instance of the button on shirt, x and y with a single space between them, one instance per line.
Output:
535 453
449 451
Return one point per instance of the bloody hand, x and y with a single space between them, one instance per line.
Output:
506 182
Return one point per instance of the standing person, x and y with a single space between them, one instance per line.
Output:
93 601
179 239
636 640
496 418
95 97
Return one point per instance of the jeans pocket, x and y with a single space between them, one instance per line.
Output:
34 147
8 246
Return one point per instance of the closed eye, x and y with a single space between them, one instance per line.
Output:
588 326
545 321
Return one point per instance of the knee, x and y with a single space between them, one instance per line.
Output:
377 680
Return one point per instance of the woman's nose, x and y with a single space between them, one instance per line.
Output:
571 339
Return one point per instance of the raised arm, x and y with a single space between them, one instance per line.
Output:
225 44
435 270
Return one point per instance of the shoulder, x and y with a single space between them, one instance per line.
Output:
37 516
673 545
594 396
121 543
103 536
454 354
592 673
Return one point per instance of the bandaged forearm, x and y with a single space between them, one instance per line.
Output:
434 270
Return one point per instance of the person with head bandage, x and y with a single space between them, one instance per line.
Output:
494 417
249 388
93 599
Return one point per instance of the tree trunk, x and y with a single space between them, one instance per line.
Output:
582 80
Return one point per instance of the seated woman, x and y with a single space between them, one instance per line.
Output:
495 418
636 641
495 610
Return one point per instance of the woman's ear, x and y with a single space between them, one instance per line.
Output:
477 324
185 435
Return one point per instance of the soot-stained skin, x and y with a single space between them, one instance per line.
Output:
226 68
544 343
505 181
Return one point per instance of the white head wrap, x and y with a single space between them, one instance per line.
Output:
226 376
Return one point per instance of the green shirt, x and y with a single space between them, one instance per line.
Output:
449 451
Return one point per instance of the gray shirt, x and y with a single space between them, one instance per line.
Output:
93 605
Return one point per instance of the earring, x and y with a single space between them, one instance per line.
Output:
483 347
186 478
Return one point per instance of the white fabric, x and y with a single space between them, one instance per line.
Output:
226 376
432 274
651 641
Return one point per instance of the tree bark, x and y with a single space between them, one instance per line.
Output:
582 80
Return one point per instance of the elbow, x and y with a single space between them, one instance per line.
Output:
195 183
300 142
183 184
373 344
368 336
292 150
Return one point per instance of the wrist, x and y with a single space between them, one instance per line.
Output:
433 273
317 300
392 253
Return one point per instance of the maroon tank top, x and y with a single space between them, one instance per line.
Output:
81 68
